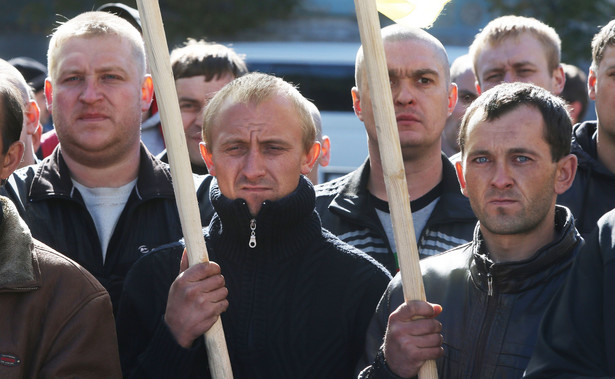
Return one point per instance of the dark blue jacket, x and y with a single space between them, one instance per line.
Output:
592 193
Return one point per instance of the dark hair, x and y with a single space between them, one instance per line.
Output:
126 12
11 114
575 88
507 97
212 60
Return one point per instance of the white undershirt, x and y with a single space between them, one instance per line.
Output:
105 206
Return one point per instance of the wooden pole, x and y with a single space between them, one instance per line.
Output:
392 162
183 183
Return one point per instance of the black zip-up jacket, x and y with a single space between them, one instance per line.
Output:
299 299
57 216
592 193
577 335
343 205
490 311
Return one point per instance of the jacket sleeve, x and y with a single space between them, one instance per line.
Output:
372 364
147 347
571 339
86 346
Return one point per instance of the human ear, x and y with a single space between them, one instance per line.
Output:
32 115
452 98
325 151
310 158
356 102
566 171
559 78
147 93
460 177
11 159
207 158
48 94
591 85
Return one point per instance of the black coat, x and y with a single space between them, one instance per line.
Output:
577 335
345 210
487 334
299 301
592 193
57 216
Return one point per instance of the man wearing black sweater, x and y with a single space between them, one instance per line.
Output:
295 301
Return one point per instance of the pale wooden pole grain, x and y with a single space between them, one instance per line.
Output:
183 182
392 162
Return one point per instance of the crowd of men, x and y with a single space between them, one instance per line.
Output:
512 204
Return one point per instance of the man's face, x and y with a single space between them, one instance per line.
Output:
97 99
518 59
422 98
466 94
257 153
602 91
510 177
194 93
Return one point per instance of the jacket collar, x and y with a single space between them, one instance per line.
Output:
453 205
584 147
17 264
53 177
283 228
548 261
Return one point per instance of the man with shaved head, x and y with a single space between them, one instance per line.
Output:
355 207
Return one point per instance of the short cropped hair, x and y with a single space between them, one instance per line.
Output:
399 33
11 113
212 60
95 24
575 88
505 27
507 97
460 66
603 39
255 88
13 75
317 120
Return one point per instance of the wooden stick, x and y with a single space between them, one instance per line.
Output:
392 162
183 182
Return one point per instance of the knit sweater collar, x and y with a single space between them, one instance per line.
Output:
282 228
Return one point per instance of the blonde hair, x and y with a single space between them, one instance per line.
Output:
506 27
254 88
95 24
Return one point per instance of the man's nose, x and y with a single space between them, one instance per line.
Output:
403 95
254 166
509 77
91 90
502 178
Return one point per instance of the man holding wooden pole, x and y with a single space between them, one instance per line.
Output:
487 297
101 198
355 207
295 300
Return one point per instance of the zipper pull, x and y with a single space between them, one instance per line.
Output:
490 284
252 242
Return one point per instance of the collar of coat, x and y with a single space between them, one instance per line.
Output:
16 265
53 177
519 276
